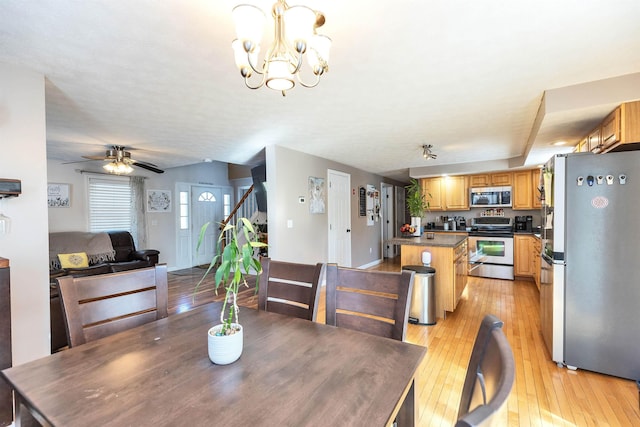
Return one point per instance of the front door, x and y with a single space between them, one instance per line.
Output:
206 206
339 216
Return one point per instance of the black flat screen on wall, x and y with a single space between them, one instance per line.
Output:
259 176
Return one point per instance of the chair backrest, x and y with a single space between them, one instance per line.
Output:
490 375
376 302
94 307
289 288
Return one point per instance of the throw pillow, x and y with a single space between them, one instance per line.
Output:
75 260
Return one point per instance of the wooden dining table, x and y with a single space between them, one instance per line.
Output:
292 372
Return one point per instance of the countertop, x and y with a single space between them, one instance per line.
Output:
439 239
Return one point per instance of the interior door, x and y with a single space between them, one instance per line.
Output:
206 206
339 216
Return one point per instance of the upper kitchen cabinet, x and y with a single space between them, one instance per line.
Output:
522 195
457 193
490 179
619 131
536 202
447 193
432 189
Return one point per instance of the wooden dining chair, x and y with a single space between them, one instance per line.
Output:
289 288
376 302
490 376
97 306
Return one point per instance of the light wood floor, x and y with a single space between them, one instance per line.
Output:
543 394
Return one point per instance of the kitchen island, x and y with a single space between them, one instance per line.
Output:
448 257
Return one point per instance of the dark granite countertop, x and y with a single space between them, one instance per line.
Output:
439 239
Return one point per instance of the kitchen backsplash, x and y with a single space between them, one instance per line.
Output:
477 213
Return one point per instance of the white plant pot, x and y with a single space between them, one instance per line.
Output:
416 222
225 349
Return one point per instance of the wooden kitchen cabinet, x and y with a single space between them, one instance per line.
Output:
522 195
446 194
610 129
456 193
594 141
449 278
432 190
619 131
491 179
536 203
523 263
461 257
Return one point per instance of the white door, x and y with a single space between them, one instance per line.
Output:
388 221
206 206
339 217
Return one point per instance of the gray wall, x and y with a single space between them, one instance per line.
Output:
287 176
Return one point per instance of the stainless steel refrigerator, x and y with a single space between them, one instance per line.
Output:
590 273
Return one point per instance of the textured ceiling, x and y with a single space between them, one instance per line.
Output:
467 77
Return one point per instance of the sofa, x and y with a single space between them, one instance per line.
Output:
107 252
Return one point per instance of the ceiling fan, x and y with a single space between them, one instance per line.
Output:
120 161
427 153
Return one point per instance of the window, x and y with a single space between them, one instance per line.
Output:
206 196
184 210
227 205
110 204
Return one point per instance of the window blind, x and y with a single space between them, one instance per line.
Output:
110 204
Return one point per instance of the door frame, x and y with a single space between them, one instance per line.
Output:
331 214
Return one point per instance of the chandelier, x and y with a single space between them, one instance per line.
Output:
294 37
427 153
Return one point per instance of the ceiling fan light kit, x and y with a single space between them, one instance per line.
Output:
294 37
427 153
121 163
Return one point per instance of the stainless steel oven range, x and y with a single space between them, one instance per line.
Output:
491 248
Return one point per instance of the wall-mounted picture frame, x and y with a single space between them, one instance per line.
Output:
316 195
58 195
158 201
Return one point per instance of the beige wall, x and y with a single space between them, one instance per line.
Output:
23 157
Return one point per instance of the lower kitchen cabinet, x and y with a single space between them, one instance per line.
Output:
523 255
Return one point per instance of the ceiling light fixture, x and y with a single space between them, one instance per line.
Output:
294 35
120 165
426 152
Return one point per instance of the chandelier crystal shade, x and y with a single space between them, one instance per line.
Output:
295 37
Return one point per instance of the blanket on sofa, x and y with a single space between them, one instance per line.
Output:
97 246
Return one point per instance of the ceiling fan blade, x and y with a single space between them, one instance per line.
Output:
95 157
147 166
140 162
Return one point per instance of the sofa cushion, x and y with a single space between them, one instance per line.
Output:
89 271
74 260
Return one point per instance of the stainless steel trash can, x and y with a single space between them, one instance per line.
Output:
423 298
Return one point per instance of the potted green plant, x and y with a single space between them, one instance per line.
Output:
235 259
417 204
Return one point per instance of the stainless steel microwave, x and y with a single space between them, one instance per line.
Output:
490 197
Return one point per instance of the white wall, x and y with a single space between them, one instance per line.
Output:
23 157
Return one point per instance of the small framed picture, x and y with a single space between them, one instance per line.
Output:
158 201
58 195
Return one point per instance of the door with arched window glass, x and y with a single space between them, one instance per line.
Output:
207 206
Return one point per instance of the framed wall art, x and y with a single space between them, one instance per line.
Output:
58 195
316 195
158 201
